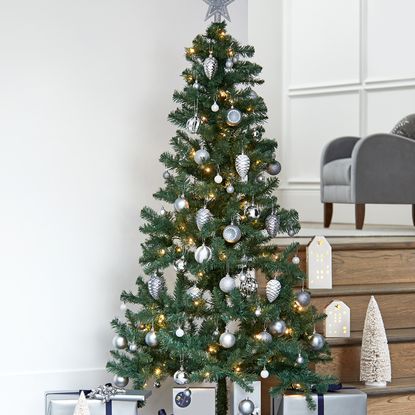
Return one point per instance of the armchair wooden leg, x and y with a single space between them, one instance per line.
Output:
413 214
328 214
360 215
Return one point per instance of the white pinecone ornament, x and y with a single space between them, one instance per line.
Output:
242 164
273 290
155 286
203 216
272 225
210 66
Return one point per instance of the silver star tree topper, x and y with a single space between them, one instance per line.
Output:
218 9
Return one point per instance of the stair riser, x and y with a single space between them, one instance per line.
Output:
397 309
391 405
346 362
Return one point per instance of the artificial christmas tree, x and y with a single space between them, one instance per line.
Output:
215 326
375 363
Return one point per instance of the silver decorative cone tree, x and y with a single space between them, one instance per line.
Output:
200 332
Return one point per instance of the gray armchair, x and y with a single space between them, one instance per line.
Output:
377 169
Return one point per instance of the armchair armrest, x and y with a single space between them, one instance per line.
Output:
383 170
340 148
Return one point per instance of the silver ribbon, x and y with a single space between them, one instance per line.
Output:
105 393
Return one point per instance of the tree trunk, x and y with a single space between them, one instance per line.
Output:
221 397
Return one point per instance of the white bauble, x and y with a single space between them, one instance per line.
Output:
227 284
227 340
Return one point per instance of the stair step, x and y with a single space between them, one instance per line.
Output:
402 385
393 335
365 289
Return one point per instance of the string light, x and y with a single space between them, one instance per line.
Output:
222 256
222 34
157 372
162 252
212 349
237 369
196 302
191 51
208 169
204 119
191 241
200 274
223 94
178 249
161 318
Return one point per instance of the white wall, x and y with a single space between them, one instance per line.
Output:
345 68
85 89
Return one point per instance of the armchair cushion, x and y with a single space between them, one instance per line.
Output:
337 172
405 127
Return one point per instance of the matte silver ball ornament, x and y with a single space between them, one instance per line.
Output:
201 156
300 359
227 284
260 178
229 63
264 336
227 340
230 189
123 306
278 327
233 117
119 342
303 298
181 377
246 407
120 381
181 203
203 254
317 341
215 107
274 168
151 338
232 234
166 174
132 347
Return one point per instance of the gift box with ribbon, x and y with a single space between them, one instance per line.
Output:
338 400
104 400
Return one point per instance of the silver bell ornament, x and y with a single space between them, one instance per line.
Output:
181 203
300 359
278 327
252 211
194 292
201 156
272 290
132 347
119 342
229 63
210 66
151 338
203 216
227 284
215 107
180 264
230 189
264 373
242 164
155 285
120 381
193 124
246 407
303 298
274 168
203 253
272 225
166 174
317 341
232 233
233 117
249 285
181 377
227 340
264 336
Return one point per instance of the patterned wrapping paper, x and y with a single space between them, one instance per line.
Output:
202 401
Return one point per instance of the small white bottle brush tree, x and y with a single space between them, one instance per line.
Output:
375 363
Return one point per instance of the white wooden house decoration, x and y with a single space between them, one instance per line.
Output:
338 319
319 263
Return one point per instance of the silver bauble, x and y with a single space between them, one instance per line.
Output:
229 63
295 260
180 204
203 216
166 174
196 85
246 407
256 133
218 179
232 234
194 292
181 377
193 124
216 332
274 168
273 290
201 156
119 342
300 359
227 340
272 225
249 286
260 178
264 373
179 332
278 327
291 232
179 265
210 66
230 189
303 298
233 117
203 253
151 338
123 306
317 341
155 286
236 58
132 347
163 211
227 284
253 94
264 336
252 212
258 311
215 107
120 381
242 164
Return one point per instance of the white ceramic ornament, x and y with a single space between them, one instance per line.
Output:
273 290
319 263
337 323
227 283
264 373
218 179
230 189
179 332
203 216
242 164
203 253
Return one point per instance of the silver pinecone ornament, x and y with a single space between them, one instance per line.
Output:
155 286
273 290
203 216
242 164
272 225
210 66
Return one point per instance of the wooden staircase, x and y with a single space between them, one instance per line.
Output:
384 267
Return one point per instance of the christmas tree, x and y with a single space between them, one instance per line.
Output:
375 362
220 179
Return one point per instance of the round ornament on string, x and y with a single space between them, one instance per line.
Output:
229 63
300 359
252 211
155 285
264 373
166 174
278 327
232 233
193 124
181 203
303 298
132 347
242 164
227 284
215 107
201 156
249 285
295 260
163 211
218 178
181 377
230 189
151 338
120 342
210 66
246 407
264 336
157 384
179 332
317 341
120 381
274 168
258 311
183 399
203 254
123 306
227 340
273 290
233 117
194 292
203 216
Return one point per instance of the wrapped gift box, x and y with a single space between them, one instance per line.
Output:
64 403
202 401
239 394
342 402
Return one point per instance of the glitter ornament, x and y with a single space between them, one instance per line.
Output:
273 290
180 264
249 285
210 66
155 285
227 284
194 292
203 216
232 233
274 168
242 164
272 225
233 117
